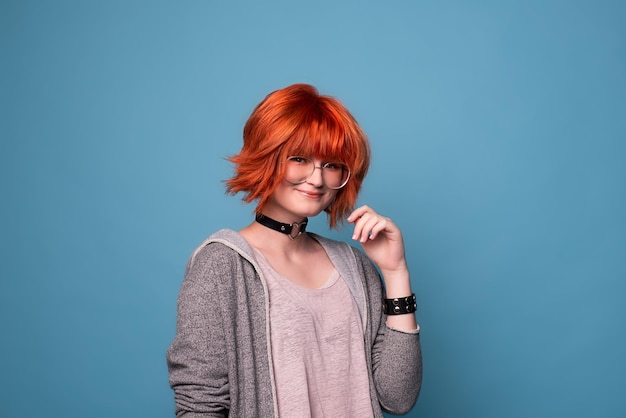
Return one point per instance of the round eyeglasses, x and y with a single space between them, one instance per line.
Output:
300 169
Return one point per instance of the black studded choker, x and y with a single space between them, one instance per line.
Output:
293 230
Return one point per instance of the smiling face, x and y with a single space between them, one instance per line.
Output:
292 202
298 121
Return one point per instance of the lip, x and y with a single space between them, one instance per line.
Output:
311 195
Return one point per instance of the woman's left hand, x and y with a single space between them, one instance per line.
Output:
382 242
380 238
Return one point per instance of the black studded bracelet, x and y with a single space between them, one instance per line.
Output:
400 306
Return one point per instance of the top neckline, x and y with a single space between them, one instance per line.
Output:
330 281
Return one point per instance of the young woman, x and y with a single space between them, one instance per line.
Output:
277 321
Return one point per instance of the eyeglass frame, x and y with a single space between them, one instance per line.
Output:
321 167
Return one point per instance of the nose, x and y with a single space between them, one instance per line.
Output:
316 178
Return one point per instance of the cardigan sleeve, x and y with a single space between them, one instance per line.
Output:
396 355
197 359
397 364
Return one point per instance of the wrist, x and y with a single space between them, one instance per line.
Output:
397 283
399 272
400 306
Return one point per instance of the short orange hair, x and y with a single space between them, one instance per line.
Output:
297 120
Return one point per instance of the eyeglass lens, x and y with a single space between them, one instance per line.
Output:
299 169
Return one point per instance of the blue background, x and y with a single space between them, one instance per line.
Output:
498 131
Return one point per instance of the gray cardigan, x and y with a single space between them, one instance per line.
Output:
220 362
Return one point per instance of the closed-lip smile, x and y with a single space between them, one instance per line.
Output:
312 195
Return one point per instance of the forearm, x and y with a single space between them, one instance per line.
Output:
398 371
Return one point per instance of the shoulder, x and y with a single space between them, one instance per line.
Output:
218 254
344 255
212 253
223 241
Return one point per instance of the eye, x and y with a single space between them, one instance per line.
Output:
298 160
333 166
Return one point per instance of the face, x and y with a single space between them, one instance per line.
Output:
292 202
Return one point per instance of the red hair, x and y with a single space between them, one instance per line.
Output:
297 120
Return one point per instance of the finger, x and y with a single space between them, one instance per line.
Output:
359 225
381 225
358 212
368 226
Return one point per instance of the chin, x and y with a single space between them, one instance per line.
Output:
312 213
